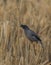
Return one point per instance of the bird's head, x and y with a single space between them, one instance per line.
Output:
24 26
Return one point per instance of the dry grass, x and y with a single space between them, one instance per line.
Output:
15 48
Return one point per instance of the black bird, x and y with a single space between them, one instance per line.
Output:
31 35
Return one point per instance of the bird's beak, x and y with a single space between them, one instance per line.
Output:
21 25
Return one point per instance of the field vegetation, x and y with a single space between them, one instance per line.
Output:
15 48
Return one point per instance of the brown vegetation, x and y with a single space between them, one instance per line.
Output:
15 48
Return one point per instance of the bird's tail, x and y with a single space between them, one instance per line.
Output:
42 45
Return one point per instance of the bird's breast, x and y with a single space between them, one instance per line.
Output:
28 35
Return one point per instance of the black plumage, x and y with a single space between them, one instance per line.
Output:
31 35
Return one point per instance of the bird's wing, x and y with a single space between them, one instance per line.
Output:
35 35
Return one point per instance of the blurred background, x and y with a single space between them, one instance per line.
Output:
15 48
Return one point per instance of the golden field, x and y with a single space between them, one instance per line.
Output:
15 48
